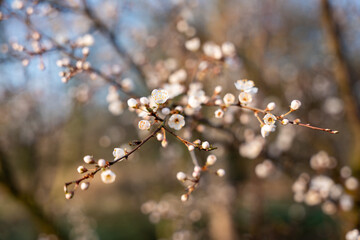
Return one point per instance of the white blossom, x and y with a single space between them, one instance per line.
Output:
192 44
267 129
228 49
229 99
269 119
212 50
219 113
176 121
118 153
245 98
144 125
245 85
160 96
108 176
352 235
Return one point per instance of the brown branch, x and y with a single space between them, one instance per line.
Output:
93 173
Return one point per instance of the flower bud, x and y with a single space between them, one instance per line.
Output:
89 159
271 106
205 145
165 111
81 169
102 163
132 103
181 176
217 90
144 101
211 159
191 148
85 51
220 172
196 174
84 185
184 197
295 104
284 121
69 195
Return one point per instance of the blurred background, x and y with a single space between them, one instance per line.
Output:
306 50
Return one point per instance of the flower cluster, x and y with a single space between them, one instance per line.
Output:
322 189
161 110
192 181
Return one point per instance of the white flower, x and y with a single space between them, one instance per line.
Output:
220 172
174 89
181 176
219 113
229 99
245 85
132 103
264 169
352 235
88 40
118 153
196 98
88 159
245 98
295 104
176 121
271 106
228 49
269 119
108 176
217 90
192 44
101 162
212 50
160 96
178 76
211 159
266 129
144 125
